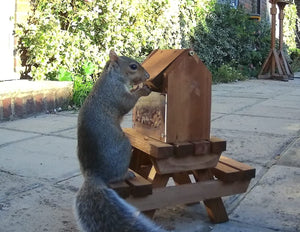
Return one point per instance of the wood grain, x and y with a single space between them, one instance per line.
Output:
187 193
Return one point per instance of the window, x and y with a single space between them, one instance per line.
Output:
233 3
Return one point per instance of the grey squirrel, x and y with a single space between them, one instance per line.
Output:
104 151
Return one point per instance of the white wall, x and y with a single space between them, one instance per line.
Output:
7 10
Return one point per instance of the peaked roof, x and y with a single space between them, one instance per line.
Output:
159 60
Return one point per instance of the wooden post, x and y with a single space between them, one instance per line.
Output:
274 65
286 66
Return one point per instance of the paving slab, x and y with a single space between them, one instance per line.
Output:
72 183
183 218
252 148
68 133
221 104
45 124
258 124
274 202
264 110
45 157
289 101
9 136
215 116
46 208
12 185
291 157
292 97
233 226
295 92
255 88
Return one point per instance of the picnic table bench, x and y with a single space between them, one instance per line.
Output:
195 176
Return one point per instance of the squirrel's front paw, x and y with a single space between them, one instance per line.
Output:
144 91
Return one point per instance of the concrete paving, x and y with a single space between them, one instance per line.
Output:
259 119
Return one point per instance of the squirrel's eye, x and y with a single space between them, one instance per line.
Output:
133 66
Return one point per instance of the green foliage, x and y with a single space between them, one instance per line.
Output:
289 25
49 43
227 73
295 57
228 37
82 87
64 35
289 30
70 39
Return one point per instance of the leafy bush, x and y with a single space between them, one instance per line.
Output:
64 35
61 37
226 73
50 42
295 57
289 25
228 37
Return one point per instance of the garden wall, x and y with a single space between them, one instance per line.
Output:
23 98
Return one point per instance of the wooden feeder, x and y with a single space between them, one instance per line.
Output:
171 139
179 111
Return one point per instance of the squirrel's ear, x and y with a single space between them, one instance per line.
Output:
113 56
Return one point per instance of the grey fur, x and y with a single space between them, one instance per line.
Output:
104 151
100 209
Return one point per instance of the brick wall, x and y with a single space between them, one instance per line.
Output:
252 6
248 5
22 98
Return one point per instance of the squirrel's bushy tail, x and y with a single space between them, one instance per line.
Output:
99 209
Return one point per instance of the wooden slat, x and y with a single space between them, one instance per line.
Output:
227 173
248 171
183 149
183 164
201 147
139 186
159 60
148 145
188 193
217 145
231 170
160 150
181 178
122 188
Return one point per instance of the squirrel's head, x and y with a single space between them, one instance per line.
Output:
131 71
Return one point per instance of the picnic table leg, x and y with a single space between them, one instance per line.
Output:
215 207
158 181
140 163
183 178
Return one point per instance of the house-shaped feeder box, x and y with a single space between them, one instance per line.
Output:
171 138
179 108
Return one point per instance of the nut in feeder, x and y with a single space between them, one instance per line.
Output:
179 108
